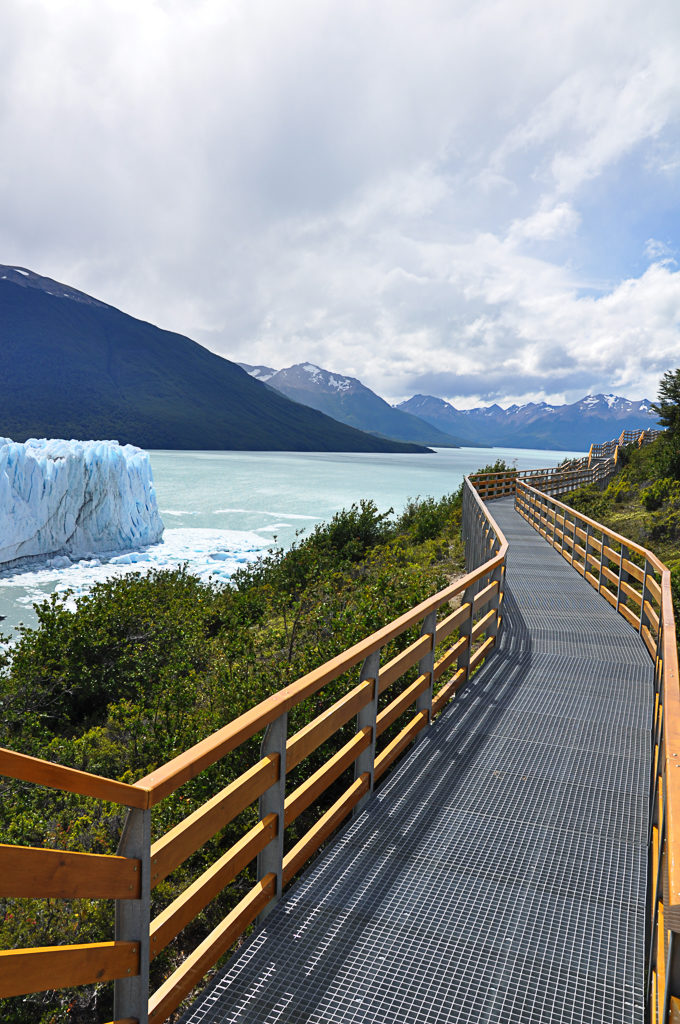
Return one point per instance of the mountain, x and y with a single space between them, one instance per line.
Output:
536 424
73 366
348 400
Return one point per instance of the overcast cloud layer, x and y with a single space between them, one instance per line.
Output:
479 201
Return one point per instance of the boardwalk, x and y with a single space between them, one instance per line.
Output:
500 874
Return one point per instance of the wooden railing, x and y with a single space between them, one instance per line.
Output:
638 586
555 480
453 641
610 449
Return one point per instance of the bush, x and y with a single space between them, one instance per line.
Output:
656 494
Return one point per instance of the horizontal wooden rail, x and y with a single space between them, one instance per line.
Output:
30 872
395 668
58 776
310 790
392 751
23 971
308 739
210 884
325 826
190 835
397 707
191 972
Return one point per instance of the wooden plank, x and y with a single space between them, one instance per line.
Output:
596 545
58 776
593 580
671 700
312 788
166 779
613 577
629 615
613 556
482 652
29 872
23 971
192 971
448 690
124 1020
607 594
484 596
652 617
189 835
397 707
579 566
454 621
631 592
650 642
392 751
395 668
324 827
210 884
321 728
451 655
634 570
483 625
654 589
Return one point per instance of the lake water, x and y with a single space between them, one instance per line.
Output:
221 509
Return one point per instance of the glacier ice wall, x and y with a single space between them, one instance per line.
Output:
75 499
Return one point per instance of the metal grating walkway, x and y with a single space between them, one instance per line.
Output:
500 873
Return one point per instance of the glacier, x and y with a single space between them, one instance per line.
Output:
65 500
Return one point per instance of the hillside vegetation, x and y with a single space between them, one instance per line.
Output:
642 502
148 665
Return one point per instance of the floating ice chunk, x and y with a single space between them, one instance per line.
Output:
73 499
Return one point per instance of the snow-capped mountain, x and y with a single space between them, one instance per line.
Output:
537 424
348 400
263 373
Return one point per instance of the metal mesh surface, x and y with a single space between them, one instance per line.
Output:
499 874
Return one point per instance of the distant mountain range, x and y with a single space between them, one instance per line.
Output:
536 424
348 400
75 367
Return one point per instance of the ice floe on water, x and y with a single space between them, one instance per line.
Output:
212 555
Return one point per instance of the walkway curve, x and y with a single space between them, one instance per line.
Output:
500 873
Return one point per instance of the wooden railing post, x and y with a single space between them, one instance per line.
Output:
133 919
623 577
272 801
644 597
367 716
426 667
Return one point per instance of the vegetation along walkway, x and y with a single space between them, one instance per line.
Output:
500 873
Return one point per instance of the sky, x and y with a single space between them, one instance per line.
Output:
477 200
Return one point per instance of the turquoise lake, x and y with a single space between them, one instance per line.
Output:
220 509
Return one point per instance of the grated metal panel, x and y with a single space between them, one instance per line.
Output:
499 874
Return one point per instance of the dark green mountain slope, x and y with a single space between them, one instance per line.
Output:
75 367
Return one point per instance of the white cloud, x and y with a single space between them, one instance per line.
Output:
394 191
